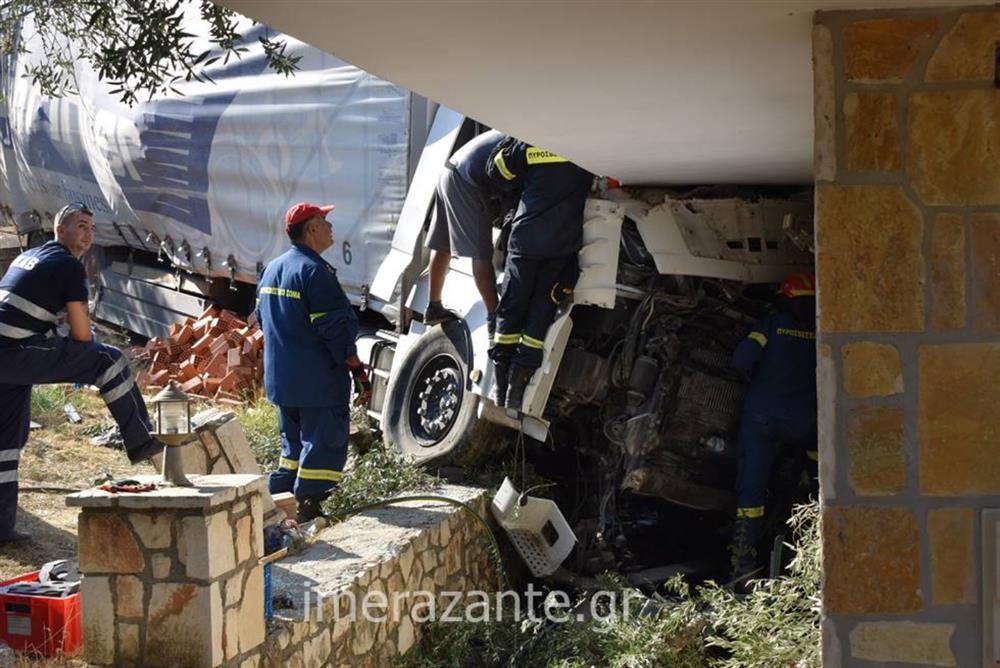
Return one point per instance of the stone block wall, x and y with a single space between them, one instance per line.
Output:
907 166
420 547
171 578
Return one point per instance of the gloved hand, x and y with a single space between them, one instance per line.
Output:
362 385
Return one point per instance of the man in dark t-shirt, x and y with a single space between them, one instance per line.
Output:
42 285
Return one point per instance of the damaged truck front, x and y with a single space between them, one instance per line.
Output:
636 393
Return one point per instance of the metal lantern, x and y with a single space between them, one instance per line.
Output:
173 411
173 426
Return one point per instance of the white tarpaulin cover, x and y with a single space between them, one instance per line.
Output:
217 167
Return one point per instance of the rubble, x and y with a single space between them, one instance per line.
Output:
216 356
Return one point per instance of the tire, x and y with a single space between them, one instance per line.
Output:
437 426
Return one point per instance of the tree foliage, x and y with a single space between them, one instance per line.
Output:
139 47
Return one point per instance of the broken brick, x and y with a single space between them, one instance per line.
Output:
159 378
192 386
185 335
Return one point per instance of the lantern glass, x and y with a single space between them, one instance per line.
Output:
173 417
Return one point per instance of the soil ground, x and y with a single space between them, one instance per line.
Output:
58 458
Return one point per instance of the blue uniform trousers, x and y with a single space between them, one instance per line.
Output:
531 292
39 360
313 449
759 440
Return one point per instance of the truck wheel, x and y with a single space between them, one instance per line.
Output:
430 409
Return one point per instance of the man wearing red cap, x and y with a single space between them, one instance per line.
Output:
309 357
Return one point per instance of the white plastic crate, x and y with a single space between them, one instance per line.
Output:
536 526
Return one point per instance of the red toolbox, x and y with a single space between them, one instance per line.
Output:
45 625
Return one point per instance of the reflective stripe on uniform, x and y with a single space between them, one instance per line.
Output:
25 306
313 317
502 166
281 292
752 512
759 338
813 455
12 332
539 156
118 392
10 455
288 464
531 342
506 338
8 476
320 474
112 371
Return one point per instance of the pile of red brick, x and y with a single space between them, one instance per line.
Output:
216 356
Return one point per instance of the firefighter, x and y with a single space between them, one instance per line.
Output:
541 266
779 408
309 357
39 286
466 206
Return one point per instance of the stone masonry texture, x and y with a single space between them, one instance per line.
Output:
403 559
182 586
908 265
958 419
872 560
870 241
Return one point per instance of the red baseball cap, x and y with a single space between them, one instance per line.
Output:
303 211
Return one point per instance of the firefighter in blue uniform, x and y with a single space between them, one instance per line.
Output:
779 408
541 267
40 285
309 357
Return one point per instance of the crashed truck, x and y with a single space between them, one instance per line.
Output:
188 191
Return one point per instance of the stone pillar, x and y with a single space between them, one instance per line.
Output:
171 576
907 121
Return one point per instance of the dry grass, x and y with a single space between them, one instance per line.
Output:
27 661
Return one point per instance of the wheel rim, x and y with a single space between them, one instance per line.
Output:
435 400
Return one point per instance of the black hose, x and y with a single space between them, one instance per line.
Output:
502 581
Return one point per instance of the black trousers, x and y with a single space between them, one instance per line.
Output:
39 360
531 292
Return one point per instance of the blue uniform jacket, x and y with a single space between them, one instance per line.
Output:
549 218
309 330
36 288
781 353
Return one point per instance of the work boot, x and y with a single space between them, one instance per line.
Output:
498 393
743 549
15 537
436 313
310 507
153 446
519 377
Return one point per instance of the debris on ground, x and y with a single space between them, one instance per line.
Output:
8 657
34 425
128 486
216 356
110 438
72 414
